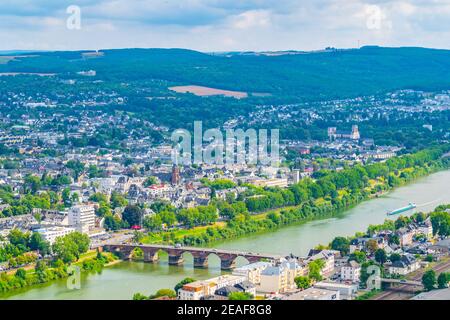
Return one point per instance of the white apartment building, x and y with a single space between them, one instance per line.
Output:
198 289
281 278
52 233
274 279
252 271
82 218
346 291
328 257
275 182
351 271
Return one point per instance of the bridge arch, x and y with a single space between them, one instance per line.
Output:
176 255
239 261
188 257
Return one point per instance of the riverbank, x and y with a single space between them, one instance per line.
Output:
123 279
40 273
318 208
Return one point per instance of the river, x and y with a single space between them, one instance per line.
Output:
122 280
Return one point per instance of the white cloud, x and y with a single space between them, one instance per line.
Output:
250 19
216 25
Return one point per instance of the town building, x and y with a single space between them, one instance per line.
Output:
50 234
328 257
82 218
440 294
351 271
252 271
281 277
275 182
333 134
274 279
313 294
346 291
202 288
405 236
407 264
175 177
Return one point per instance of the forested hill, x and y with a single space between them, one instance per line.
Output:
320 75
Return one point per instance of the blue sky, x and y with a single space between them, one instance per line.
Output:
224 25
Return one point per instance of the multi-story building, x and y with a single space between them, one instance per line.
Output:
405 236
82 218
281 278
200 289
274 279
327 256
426 228
50 234
252 272
296 176
333 134
351 271
275 182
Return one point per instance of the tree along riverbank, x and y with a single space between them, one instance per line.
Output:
329 194
46 270
368 256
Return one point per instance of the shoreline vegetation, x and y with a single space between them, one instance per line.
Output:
328 195
439 219
306 201
70 250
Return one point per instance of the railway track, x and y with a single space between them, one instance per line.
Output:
404 292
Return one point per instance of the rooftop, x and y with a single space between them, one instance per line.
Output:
441 294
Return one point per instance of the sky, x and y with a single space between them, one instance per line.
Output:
222 25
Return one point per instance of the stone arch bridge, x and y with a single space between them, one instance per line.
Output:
227 257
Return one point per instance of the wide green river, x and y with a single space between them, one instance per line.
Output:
122 280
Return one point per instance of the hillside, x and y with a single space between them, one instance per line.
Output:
311 76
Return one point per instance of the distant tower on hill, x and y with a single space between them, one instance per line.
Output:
355 133
175 179
332 133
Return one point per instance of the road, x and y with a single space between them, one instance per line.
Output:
113 238
405 292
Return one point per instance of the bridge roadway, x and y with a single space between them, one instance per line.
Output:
402 281
227 257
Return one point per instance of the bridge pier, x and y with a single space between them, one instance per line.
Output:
200 255
176 259
124 254
227 264
200 262
150 256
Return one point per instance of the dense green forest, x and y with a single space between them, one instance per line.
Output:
136 81
320 75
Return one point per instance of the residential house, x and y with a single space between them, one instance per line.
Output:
405 265
351 271
405 236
